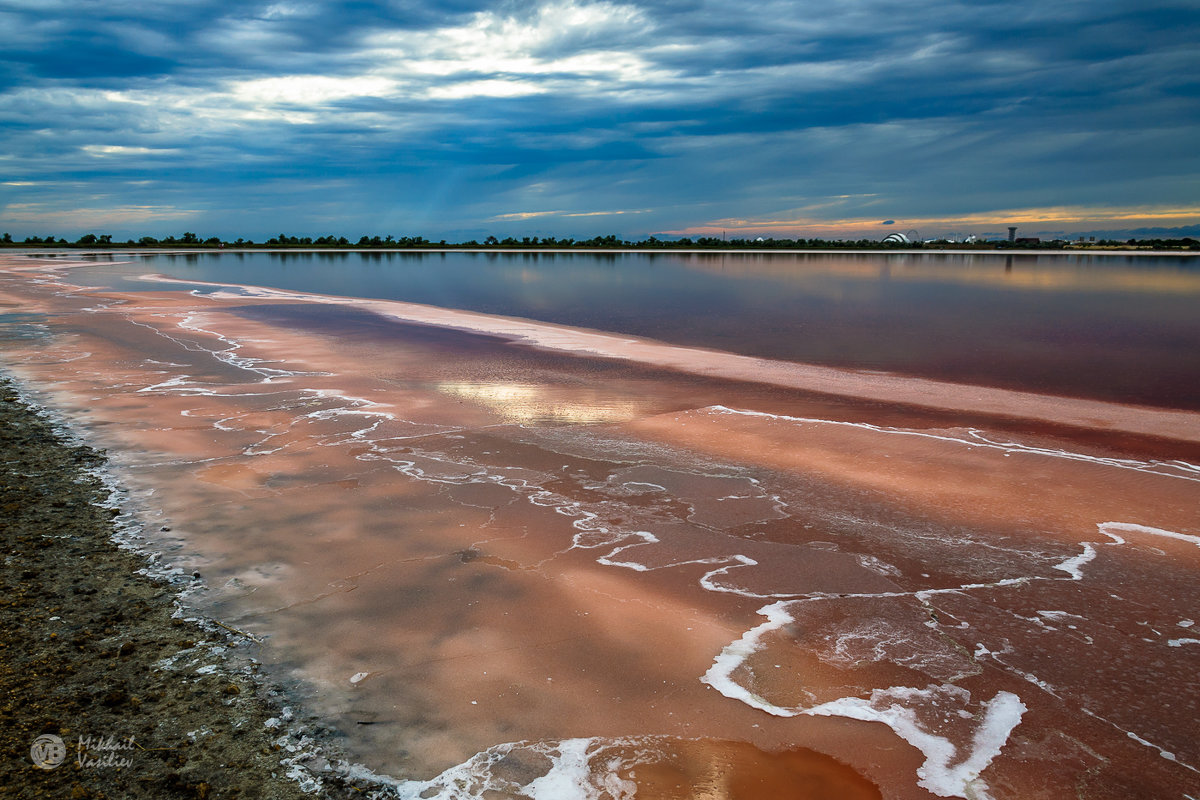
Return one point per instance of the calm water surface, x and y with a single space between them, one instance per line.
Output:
1121 328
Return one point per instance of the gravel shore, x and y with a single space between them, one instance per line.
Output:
129 700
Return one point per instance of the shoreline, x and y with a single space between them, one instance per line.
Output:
148 702
118 250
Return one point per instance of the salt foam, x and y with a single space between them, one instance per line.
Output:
946 772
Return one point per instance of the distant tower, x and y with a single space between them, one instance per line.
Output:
1012 233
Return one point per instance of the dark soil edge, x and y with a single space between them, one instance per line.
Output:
94 651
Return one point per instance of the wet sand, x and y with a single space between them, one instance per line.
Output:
514 557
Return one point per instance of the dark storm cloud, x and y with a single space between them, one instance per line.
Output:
461 114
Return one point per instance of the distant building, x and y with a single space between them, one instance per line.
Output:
896 238
1012 233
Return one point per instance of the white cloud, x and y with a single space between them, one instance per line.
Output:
308 90
283 10
486 88
104 150
523 215
82 218
572 44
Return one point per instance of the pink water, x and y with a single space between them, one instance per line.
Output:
532 560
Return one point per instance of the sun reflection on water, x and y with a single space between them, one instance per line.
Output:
531 404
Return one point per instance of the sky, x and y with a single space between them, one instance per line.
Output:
460 119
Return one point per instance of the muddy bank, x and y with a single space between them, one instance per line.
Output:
146 705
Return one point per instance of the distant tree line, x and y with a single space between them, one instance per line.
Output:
610 242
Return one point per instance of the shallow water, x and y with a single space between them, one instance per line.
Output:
537 560
1109 327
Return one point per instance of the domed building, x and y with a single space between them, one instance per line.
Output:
896 238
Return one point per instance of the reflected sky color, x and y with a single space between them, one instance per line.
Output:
503 557
529 404
1108 327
